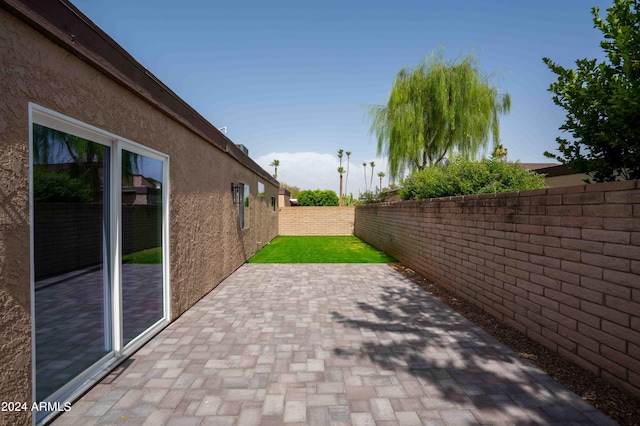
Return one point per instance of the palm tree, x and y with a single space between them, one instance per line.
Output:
365 176
499 152
346 180
381 175
373 165
275 164
341 171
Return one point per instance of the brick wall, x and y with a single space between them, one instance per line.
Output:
562 265
316 220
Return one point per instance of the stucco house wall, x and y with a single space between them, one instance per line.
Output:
53 57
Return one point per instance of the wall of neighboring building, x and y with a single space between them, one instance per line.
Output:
55 70
284 198
560 175
300 220
562 265
566 180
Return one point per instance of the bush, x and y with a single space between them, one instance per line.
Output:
59 186
317 197
372 197
463 177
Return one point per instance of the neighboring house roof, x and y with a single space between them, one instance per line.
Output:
557 175
537 166
65 25
139 180
556 170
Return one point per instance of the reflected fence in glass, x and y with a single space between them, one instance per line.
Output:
71 221
142 261
74 311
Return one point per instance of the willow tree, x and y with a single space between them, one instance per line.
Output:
434 109
70 168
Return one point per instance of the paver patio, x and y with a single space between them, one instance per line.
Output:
326 344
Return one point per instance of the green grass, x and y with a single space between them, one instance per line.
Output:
152 255
337 249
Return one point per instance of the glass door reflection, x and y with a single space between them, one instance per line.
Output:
142 253
71 223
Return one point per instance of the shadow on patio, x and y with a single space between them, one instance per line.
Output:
459 366
326 344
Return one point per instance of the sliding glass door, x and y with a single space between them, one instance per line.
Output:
99 251
71 262
142 263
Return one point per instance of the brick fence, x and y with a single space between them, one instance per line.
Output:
316 220
562 265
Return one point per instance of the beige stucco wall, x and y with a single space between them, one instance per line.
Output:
15 324
206 244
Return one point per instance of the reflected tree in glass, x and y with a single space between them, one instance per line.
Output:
71 219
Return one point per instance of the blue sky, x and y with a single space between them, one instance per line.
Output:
292 80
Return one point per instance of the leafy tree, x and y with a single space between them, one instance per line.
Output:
434 109
317 197
603 100
294 190
348 200
461 176
275 164
371 197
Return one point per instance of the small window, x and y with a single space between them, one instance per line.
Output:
260 188
273 203
244 206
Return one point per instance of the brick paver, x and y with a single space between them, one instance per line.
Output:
326 344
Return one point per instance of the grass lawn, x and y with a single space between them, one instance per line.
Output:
337 249
152 255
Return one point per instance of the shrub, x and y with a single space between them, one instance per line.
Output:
317 197
463 177
372 197
59 186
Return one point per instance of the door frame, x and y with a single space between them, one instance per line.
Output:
75 387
